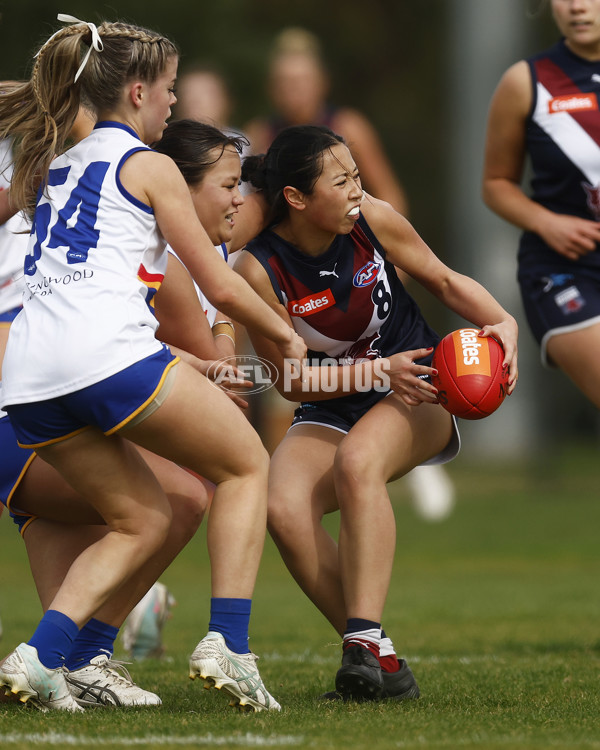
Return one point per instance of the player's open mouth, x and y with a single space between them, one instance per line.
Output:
354 211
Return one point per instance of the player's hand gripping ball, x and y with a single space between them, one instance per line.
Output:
471 381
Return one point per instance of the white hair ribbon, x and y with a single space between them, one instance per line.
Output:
96 41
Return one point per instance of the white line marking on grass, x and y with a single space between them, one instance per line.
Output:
244 740
305 657
449 659
485 740
310 657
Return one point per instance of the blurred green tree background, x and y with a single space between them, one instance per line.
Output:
386 57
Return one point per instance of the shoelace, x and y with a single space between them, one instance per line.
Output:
117 670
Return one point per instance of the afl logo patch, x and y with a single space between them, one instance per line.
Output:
367 274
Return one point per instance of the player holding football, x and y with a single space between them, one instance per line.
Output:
299 91
327 266
545 108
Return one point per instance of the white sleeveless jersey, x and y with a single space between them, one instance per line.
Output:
86 313
13 241
209 309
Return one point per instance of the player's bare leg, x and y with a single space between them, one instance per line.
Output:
53 545
301 492
199 427
111 475
577 353
67 525
384 444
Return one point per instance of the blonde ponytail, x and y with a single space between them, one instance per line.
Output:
39 114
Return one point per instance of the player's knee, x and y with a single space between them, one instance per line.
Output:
352 468
283 522
154 530
188 511
257 461
277 517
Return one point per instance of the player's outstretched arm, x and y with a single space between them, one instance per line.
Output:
461 294
155 179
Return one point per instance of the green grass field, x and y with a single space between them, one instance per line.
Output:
496 609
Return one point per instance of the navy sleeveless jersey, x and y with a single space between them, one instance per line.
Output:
563 143
348 304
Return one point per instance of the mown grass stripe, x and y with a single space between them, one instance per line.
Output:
59 738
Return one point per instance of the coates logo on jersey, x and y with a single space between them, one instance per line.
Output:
312 304
572 103
367 274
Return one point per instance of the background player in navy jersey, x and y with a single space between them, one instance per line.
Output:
327 264
128 201
298 86
546 109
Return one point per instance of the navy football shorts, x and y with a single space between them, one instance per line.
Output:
559 301
342 418
13 467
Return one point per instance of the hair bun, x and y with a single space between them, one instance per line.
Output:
254 171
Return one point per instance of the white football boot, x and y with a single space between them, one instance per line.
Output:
106 682
236 674
26 678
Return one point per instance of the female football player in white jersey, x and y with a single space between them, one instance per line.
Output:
56 523
209 160
369 412
83 369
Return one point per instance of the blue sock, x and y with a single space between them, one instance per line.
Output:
231 618
53 638
95 638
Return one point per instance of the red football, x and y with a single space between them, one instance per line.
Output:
471 381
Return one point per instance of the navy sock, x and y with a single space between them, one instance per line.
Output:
355 624
95 638
231 618
53 638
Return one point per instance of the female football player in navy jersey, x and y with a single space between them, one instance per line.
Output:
83 369
368 412
546 109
